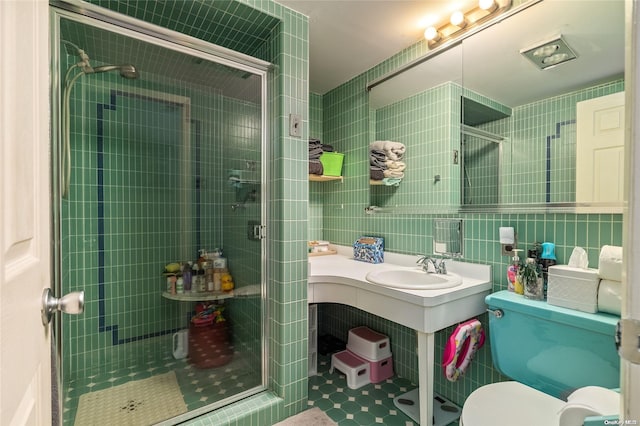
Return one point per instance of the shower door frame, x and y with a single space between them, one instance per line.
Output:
121 24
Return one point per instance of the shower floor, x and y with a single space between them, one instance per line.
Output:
199 387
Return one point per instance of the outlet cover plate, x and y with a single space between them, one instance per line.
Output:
295 125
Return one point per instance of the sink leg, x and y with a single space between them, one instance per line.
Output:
426 361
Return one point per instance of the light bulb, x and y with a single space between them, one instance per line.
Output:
457 19
488 5
545 51
431 34
555 59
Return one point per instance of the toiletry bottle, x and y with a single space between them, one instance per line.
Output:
208 275
171 284
203 278
512 270
518 287
217 278
219 262
187 276
195 278
202 257
547 258
180 286
532 280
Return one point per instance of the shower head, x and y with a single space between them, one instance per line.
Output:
127 71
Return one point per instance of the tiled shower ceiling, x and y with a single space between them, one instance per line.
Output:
105 47
227 23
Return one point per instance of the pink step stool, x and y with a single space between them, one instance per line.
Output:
380 370
355 368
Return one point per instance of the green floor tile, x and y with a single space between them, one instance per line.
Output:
371 404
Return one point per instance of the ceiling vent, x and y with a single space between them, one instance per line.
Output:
550 53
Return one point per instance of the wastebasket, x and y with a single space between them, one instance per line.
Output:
209 343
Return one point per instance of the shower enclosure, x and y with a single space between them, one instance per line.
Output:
159 153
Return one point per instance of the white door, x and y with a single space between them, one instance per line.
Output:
600 149
630 377
25 370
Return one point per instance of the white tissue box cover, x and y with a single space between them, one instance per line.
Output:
573 288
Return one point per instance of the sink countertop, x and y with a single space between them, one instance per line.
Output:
341 268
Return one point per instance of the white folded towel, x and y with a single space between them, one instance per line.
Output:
393 174
610 263
397 166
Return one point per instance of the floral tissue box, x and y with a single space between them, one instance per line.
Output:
369 249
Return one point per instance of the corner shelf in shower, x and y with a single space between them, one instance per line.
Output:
235 181
324 178
199 297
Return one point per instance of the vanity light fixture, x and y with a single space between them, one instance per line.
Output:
432 34
488 5
463 20
457 19
550 53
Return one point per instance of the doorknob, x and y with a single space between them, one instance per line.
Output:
72 303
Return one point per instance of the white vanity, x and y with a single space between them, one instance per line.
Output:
340 279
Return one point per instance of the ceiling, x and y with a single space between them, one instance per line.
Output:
348 37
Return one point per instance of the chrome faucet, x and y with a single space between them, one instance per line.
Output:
438 264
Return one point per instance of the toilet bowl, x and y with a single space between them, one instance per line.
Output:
551 353
510 403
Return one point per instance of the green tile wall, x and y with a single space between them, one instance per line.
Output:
284 42
228 23
316 189
347 124
426 124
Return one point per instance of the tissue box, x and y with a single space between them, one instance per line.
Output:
369 249
573 288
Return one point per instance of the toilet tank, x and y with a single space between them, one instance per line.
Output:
550 348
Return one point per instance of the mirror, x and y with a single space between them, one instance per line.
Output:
533 110
447 237
516 145
420 109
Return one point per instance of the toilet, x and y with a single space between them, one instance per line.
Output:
549 352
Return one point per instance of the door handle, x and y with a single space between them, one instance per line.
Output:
72 303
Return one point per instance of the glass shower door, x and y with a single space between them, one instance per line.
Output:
165 160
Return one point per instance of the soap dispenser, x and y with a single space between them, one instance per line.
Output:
512 271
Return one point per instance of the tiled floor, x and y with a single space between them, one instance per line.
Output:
371 404
199 387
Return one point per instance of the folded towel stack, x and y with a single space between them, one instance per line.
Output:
316 148
385 159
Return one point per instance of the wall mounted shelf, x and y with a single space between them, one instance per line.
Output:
199 296
323 178
381 183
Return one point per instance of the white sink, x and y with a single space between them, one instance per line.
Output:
415 279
